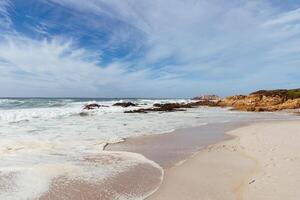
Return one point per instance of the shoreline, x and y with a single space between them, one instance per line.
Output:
172 148
246 164
240 167
143 145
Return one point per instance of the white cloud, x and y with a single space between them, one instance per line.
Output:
58 68
189 46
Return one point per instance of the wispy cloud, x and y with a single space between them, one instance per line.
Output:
5 21
170 48
59 68
288 17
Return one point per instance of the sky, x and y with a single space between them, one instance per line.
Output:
142 48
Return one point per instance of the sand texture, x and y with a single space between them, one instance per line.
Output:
262 162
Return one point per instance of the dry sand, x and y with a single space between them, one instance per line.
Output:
262 162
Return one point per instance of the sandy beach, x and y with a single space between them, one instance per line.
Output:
261 162
149 100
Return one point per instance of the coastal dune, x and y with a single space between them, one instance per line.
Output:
261 162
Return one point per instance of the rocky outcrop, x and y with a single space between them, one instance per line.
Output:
264 100
124 104
207 98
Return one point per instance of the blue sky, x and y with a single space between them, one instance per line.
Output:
141 48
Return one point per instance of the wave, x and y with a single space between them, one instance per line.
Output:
22 110
32 103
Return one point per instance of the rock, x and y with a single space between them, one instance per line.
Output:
167 107
172 106
203 103
92 106
142 110
146 110
264 100
124 104
260 101
207 98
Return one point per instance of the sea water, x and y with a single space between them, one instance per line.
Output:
43 139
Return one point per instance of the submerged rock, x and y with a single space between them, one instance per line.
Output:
141 110
124 104
92 106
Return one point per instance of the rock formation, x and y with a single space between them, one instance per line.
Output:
264 100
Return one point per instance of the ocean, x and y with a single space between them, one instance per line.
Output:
46 139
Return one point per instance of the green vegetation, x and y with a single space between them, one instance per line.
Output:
288 94
293 94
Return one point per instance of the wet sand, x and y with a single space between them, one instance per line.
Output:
136 180
139 181
142 180
171 148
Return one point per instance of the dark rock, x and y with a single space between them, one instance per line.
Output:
142 110
203 103
124 104
146 110
172 107
167 107
92 106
